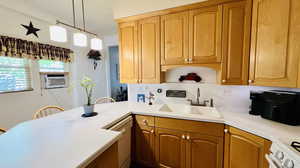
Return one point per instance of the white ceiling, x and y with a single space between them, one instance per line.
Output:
98 13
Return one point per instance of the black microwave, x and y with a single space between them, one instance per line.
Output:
280 106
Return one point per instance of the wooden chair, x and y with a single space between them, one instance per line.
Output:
104 100
2 131
46 111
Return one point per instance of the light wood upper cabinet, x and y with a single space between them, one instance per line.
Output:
174 37
236 43
128 52
204 151
275 43
245 150
169 148
205 34
140 51
149 50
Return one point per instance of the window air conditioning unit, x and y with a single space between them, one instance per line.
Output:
55 81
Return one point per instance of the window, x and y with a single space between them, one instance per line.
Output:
14 74
51 66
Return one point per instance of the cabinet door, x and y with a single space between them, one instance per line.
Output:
144 145
275 43
174 37
205 35
170 148
128 52
149 50
236 43
204 151
245 150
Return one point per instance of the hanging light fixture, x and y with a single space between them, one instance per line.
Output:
58 34
96 44
80 37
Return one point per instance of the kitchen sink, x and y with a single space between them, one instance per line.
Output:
190 110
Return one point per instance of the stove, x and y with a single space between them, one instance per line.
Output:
284 156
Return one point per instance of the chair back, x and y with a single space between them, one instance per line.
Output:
46 111
2 131
104 100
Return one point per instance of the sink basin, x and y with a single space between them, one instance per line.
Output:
187 109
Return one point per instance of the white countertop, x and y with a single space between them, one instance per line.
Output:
66 140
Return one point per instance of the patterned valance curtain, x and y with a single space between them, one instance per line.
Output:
14 47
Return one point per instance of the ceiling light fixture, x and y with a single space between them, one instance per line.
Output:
58 34
80 37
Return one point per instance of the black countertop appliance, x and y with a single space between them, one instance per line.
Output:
280 106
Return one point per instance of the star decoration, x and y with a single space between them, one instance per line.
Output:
31 29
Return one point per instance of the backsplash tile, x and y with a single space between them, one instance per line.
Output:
227 97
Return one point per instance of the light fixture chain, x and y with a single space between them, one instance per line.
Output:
83 14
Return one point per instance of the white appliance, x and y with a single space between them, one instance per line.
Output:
55 81
282 156
124 143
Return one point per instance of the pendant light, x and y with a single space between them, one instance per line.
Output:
80 38
58 34
96 44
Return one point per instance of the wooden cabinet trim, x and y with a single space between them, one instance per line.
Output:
174 10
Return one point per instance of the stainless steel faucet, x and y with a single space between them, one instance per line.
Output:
204 103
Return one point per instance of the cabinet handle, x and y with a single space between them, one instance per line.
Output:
188 137
186 60
183 137
152 131
145 122
190 60
223 81
250 81
226 130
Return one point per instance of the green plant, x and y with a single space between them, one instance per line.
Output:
88 85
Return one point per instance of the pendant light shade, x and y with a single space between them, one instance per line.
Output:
96 44
58 34
80 39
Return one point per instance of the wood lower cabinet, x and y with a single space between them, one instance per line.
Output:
236 43
275 43
169 148
245 150
144 145
178 143
205 34
204 151
108 159
174 38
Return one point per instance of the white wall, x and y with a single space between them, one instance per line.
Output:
18 107
124 8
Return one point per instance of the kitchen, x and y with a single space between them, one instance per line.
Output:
211 84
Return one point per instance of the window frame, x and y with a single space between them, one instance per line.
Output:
30 78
